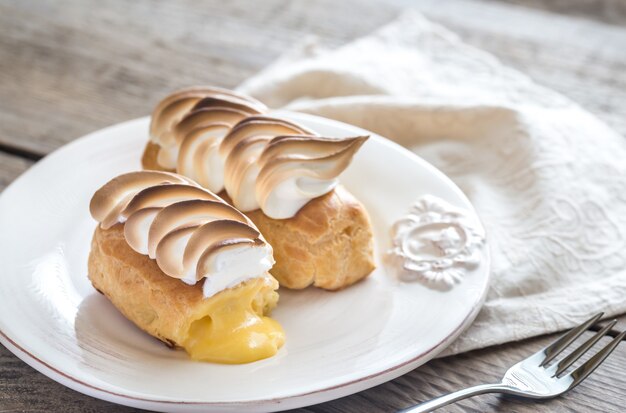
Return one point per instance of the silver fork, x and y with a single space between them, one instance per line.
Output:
533 377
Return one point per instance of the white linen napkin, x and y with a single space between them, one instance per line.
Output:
547 178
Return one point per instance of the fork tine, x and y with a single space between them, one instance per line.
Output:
578 353
566 339
590 365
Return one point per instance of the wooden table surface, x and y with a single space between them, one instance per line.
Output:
71 67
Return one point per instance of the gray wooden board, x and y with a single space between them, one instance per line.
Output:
70 67
22 389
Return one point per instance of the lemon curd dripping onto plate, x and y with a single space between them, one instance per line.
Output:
232 327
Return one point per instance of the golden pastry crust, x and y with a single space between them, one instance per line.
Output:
149 158
162 306
328 244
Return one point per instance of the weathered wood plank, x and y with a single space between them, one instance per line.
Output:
80 66
608 11
604 391
23 389
89 64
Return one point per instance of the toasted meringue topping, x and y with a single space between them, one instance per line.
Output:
219 139
137 226
296 169
242 148
279 166
112 198
175 108
212 235
198 137
198 157
163 195
260 126
191 232
191 213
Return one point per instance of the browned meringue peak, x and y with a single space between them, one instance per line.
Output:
260 126
241 149
137 226
198 157
164 218
198 137
171 110
241 170
208 263
179 251
296 169
108 201
160 196
211 237
173 244
146 204
239 102
185 214
201 118
309 147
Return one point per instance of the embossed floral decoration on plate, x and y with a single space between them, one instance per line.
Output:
436 243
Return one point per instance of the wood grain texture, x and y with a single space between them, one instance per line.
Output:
97 63
603 393
608 11
70 67
22 389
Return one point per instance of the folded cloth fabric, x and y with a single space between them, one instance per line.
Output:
547 178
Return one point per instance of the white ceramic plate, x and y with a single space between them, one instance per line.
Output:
338 343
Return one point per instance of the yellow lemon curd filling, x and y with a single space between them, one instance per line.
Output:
232 326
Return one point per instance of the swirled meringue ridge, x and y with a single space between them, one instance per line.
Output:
176 106
296 169
241 149
279 166
192 233
222 140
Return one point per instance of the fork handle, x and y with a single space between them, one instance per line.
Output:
447 399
